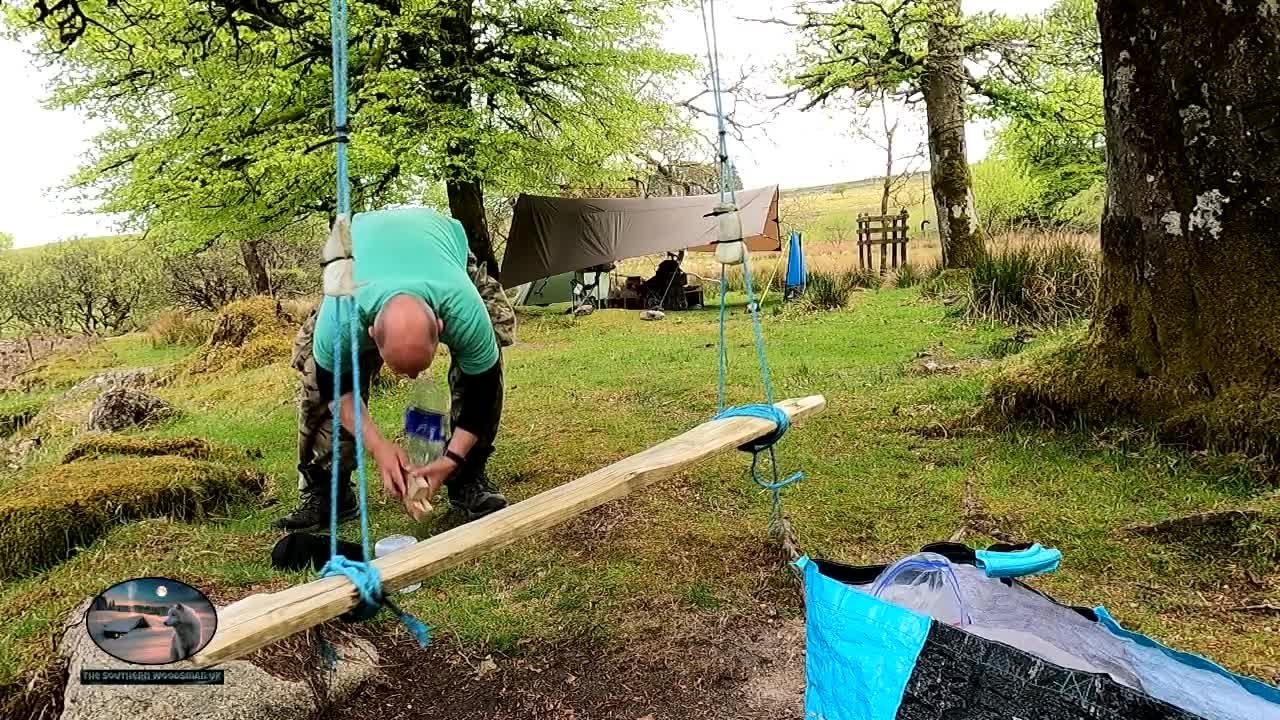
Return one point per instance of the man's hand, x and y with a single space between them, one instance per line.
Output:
424 482
393 464
434 474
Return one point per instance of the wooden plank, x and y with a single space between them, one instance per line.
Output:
258 621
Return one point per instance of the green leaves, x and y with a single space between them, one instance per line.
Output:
212 115
861 48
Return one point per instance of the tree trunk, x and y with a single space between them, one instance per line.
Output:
889 132
944 96
466 203
1191 231
463 179
259 280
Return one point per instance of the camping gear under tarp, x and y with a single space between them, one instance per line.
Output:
949 634
552 235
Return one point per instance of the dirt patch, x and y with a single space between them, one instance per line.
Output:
740 672
595 526
935 361
18 354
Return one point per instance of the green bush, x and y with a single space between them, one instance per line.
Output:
828 291
764 278
1008 195
1083 211
907 276
1037 285
95 286
865 278
180 327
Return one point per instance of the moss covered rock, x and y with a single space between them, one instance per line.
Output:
1066 384
122 407
247 334
97 446
46 516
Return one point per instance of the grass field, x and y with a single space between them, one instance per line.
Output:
882 479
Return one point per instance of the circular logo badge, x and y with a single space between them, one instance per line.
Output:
151 621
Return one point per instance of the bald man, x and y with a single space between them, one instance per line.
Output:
418 286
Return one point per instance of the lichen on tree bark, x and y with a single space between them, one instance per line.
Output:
1191 233
1185 331
944 93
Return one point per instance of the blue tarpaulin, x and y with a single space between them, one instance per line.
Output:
870 659
797 276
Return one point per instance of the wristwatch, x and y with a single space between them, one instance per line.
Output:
455 457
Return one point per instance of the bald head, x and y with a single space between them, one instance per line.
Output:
407 333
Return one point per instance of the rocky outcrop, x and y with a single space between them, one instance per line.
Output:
123 407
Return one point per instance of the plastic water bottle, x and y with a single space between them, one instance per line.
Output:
426 422
388 545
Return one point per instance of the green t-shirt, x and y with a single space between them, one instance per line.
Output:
419 252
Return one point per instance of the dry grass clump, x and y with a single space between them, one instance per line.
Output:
247 334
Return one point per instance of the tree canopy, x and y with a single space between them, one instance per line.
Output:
215 109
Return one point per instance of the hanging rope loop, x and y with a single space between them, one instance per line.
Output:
339 284
766 410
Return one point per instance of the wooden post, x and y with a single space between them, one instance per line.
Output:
894 240
884 246
905 218
862 246
260 620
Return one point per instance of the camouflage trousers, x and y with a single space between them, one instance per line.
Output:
315 419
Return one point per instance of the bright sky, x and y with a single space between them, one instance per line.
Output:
794 149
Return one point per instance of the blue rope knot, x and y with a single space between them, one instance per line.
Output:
782 423
368 582
761 411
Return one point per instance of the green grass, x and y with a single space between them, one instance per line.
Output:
584 392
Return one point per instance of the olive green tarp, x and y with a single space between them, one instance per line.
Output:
552 235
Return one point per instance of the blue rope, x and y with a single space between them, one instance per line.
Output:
362 574
767 410
727 190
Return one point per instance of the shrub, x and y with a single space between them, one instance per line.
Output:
178 327
97 286
865 278
1083 211
907 276
765 277
1007 194
1037 285
827 291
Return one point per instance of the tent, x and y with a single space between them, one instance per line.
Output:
559 288
550 236
116 628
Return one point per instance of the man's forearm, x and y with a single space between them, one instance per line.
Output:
372 436
462 441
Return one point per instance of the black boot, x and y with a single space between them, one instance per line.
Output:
314 511
476 497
